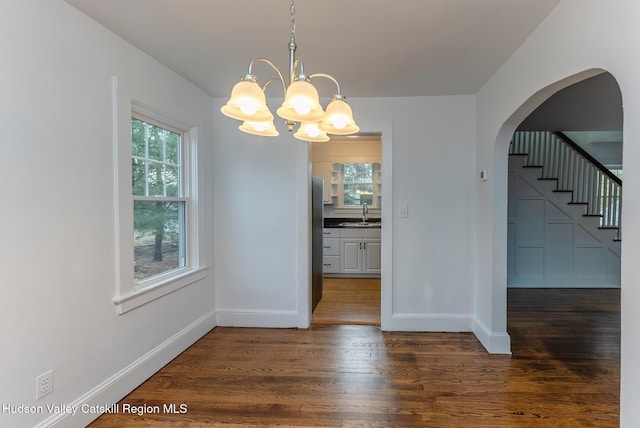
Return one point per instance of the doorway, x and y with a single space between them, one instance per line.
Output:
567 103
352 206
563 215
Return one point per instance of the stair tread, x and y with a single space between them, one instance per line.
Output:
539 172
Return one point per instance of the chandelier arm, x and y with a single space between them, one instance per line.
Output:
277 70
326 76
270 81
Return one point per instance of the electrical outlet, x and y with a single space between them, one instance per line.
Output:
44 384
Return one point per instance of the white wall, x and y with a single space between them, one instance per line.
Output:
258 216
57 260
550 243
260 224
568 42
433 175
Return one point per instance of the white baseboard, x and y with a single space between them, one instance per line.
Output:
493 342
262 319
126 380
435 323
584 284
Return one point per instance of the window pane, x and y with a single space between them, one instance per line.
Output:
172 180
139 183
156 160
172 145
154 178
617 172
358 194
155 142
138 147
358 173
159 237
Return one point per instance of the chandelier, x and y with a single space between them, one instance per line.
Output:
301 102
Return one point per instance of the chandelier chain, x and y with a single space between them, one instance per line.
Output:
293 19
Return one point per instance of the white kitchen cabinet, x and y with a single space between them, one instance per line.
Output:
331 251
371 260
331 246
360 255
351 252
360 251
331 176
331 264
377 186
351 257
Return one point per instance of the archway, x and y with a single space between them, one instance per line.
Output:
500 154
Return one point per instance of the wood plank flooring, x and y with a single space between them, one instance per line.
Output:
354 301
564 372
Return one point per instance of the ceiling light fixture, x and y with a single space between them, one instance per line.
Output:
301 102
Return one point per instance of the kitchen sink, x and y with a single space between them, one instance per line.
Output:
360 224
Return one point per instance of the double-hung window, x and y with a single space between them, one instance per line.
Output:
361 184
158 250
160 199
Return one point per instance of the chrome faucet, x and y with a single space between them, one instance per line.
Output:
365 211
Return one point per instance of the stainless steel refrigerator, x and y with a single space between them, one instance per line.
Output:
317 225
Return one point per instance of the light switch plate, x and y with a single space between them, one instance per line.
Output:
404 211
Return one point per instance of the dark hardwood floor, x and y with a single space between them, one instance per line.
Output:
564 372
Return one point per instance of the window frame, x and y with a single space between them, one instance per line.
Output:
130 293
356 183
182 197
343 183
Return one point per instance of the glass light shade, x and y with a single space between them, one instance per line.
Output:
301 103
247 103
310 131
265 128
339 119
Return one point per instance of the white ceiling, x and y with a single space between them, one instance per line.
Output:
374 48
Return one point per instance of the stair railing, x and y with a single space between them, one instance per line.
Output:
576 171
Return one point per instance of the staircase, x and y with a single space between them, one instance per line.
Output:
589 185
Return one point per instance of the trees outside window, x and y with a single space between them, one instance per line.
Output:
358 183
159 202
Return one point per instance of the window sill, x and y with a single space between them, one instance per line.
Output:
156 289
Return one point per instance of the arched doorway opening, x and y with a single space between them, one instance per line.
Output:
551 110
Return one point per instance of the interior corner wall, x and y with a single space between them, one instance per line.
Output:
58 257
563 48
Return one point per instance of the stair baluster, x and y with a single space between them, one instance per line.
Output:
575 171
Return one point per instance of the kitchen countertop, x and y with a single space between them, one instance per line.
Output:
335 222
